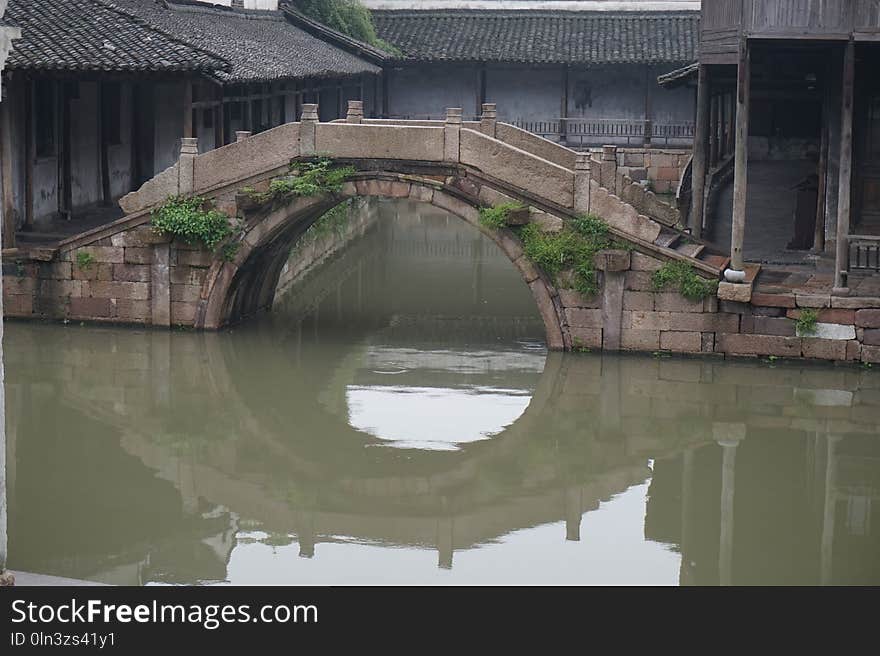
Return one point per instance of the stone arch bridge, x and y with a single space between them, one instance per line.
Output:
138 276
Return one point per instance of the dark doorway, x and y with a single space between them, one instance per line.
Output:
866 144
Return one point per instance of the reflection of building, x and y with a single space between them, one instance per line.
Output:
800 512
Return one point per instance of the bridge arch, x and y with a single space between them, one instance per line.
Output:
245 285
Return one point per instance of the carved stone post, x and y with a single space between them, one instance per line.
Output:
489 119
189 150
613 264
308 129
728 436
582 183
241 135
452 135
608 168
355 111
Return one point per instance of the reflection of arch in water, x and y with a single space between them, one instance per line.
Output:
247 284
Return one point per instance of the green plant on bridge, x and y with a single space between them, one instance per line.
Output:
807 321
683 277
192 221
574 248
497 217
305 179
84 260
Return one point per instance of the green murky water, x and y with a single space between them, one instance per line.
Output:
397 420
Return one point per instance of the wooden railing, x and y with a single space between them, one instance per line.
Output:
864 253
591 131
602 131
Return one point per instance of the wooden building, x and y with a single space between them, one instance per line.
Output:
100 93
787 152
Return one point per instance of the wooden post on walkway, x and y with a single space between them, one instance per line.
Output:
736 272
841 260
698 163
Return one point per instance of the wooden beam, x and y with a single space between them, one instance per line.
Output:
650 81
741 167
563 112
844 199
698 163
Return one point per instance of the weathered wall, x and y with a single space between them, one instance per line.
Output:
421 90
525 94
169 124
662 168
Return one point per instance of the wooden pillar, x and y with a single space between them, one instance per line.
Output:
220 120
65 200
698 163
563 109
106 196
28 154
714 123
481 88
841 264
822 173
649 110
187 109
6 173
736 272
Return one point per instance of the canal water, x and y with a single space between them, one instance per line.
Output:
397 419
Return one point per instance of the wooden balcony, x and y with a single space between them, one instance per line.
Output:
723 22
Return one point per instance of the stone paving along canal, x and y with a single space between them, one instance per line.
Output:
398 419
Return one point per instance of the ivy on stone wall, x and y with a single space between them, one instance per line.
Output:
194 222
682 276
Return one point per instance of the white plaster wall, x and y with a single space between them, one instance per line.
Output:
119 155
522 93
616 92
169 124
85 162
429 90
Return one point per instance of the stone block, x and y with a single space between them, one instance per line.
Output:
582 337
640 340
187 275
16 285
612 260
638 281
667 173
182 313
198 258
643 301
185 293
584 318
765 311
573 299
871 337
868 318
675 302
681 342
832 331
91 308
131 272
853 351
457 206
641 262
546 222
774 300
733 307
108 254
56 270
134 311
60 288
855 303
139 237
737 344
707 342
813 300
871 354
779 326
824 349
716 323
662 160
736 292
136 255
643 321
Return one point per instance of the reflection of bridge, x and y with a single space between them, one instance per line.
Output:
593 424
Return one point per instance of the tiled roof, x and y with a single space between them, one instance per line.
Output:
542 37
93 35
261 46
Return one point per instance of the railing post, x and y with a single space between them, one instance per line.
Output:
489 119
582 183
452 135
308 128
649 132
355 111
189 149
608 169
241 135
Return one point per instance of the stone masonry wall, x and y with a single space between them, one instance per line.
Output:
662 168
